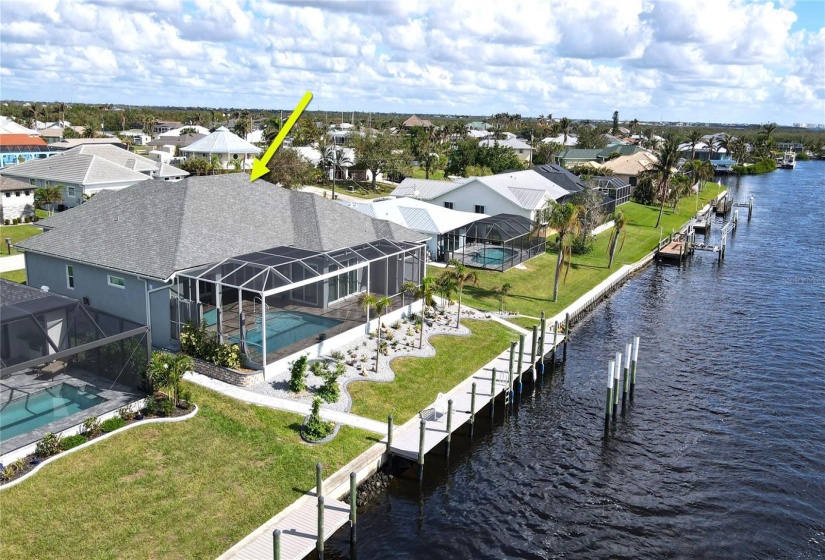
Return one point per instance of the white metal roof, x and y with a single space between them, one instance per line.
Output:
425 189
415 214
222 141
176 131
513 143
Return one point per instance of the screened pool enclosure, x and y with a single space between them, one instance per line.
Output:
278 301
500 242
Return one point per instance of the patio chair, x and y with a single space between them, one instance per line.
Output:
437 411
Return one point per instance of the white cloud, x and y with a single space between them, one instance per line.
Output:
703 59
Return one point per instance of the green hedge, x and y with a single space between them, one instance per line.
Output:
762 166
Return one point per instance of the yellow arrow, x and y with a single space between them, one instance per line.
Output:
259 168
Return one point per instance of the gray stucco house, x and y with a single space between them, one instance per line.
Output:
262 266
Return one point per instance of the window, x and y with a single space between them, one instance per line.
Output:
28 193
479 209
16 193
32 182
70 191
117 281
70 276
8 194
448 205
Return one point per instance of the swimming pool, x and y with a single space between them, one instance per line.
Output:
287 327
493 256
42 407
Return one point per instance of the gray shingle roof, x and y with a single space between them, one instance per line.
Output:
156 228
76 168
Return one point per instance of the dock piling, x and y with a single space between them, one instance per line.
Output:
608 410
750 208
633 366
543 338
449 424
276 544
353 505
320 528
520 371
422 434
512 358
555 344
493 396
626 380
616 380
566 336
389 433
533 342
319 491
472 408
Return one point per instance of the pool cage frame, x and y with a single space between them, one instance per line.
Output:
234 295
524 238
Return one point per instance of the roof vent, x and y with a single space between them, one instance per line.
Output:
44 288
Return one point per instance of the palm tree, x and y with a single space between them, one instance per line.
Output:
272 127
335 158
446 286
214 164
712 145
461 275
502 291
618 231
425 291
694 137
768 130
371 301
89 130
662 169
48 196
564 128
367 301
564 218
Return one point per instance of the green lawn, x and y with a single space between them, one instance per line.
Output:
16 233
420 173
532 289
183 490
419 380
18 276
361 190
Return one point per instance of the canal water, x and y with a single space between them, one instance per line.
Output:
722 453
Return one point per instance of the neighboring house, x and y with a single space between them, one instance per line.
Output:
70 143
190 128
702 150
343 172
571 141
136 135
628 168
519 193
16 199
19 148
231 149
161 127
175 141
8 126
572 157
477 125
480 134
77 173
520 147
618 191
52 134
168 172
265 267
414 121
446 228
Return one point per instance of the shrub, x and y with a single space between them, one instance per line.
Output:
195 341
185 398
166 407
15 221
298 370
6 222
337 355
126 413
112 424
166 370
91 427
330 391
316 429
74 441
227 355
762 166
151 405
8 472
51 444
396 325
35 218
28 219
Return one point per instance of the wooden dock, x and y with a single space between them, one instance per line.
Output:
676 247
299 531
406 440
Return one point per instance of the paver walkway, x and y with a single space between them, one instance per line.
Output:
288 405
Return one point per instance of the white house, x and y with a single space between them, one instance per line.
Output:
175 132
519 193
445 227
522 148
16 199
232 150
136 135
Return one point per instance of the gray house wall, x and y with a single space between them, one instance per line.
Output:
92 282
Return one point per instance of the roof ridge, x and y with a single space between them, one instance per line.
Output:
181 218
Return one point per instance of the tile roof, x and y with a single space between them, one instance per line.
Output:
117 155
156 228
416 121
74 167
9 184
21 140
70 143
222 142
631 164
514 143
167 170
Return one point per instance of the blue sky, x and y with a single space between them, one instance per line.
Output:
696 60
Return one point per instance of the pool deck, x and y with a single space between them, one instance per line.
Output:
25 383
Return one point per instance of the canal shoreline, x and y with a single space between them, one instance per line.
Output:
370 462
